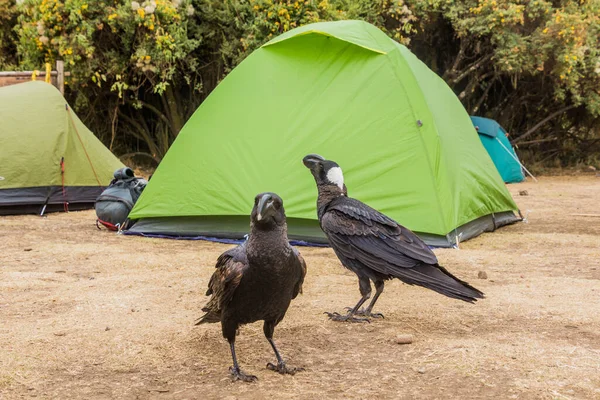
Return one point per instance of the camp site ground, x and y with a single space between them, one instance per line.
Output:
88 314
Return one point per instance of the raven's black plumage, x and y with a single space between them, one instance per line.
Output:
256 280
374 246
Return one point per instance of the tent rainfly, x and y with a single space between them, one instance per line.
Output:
348 92
494 139
49 160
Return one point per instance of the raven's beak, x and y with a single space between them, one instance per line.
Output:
312 159
265 207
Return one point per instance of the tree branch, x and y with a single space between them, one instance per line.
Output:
538 141
139 153
158 113
141 132
542 122
484 95
459 57
464 73
114 128
474 82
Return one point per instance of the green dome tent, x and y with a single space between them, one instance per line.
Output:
49 160
348 92
493 137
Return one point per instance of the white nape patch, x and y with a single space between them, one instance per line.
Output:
259 217
335 175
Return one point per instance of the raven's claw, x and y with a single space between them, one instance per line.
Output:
334 316
284 369
238 375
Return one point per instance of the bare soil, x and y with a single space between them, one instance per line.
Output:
94 315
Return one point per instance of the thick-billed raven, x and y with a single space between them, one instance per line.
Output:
375 247
256 280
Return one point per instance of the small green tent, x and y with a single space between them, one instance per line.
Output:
493 137
49 160
348 92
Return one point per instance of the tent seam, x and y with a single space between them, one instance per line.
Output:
437 197
326 35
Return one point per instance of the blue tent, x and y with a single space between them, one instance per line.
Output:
493 137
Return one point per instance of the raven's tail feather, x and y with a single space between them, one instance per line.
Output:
437 278
208 318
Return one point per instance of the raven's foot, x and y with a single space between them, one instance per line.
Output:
238 375
334 316
365 313
284 369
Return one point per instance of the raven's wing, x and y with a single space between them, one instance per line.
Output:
300 260
230 266
362 237
376 233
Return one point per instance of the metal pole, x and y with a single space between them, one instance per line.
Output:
516 159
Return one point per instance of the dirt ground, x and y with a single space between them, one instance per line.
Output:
93 315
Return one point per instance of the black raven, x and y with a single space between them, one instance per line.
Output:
256 280
375 247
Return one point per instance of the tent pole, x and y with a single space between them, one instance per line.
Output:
516 159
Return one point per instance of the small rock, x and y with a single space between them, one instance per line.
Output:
482 275
404 339
591 168
160 390
107 329
59 333
28 249
523 193
421 370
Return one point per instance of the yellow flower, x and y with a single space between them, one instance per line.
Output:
141 12
545 30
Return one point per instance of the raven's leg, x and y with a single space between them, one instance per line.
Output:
229 331
367 312
365 290
268 329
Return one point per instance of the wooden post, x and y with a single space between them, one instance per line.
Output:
60 78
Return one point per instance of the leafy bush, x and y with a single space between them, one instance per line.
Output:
145 66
